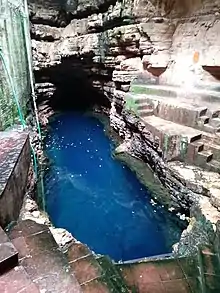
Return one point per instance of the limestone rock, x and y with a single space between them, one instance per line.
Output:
45 32
81 45
76 28
132 64
124 76
95 22
62 236
215 197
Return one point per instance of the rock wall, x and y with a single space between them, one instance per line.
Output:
100 46
170 41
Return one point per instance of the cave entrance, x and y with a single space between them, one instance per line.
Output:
75 87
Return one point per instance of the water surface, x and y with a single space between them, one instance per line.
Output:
97 198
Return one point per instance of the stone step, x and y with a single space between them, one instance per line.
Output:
17 281
113 274
204 95
76 251
210 122
154 90
215 122
145 106
204 153
215 148
206 144
193 149
211 129
86 269
180 113
99 285
175 110
166 126
42 259
200 150
181 110
143 99
215 113
172 104
145 112
8 253
213 166
94 274
203 120
204 157
173 138
162 276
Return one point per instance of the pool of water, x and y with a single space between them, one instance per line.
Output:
97 198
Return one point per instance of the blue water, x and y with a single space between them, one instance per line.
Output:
98 199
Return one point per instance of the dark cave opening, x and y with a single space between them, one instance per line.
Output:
73 86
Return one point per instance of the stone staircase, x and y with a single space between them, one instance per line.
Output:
94 273
31 261
186 130
204 153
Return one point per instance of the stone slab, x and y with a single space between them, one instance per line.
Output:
46 265
15 158
8 253
86 269
171 128
76 251
163 276
17 280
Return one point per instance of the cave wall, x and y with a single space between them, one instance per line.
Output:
85 48
108 43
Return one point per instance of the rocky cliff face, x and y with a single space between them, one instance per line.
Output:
104 44
90 51
164 37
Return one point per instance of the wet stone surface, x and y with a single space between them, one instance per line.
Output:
40 256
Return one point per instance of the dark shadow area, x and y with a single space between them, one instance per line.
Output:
74 85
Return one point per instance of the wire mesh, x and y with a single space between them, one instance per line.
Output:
13 46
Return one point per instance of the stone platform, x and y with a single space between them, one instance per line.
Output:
15 157
39 265
43 267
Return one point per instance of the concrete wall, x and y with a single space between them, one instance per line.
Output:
15 158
